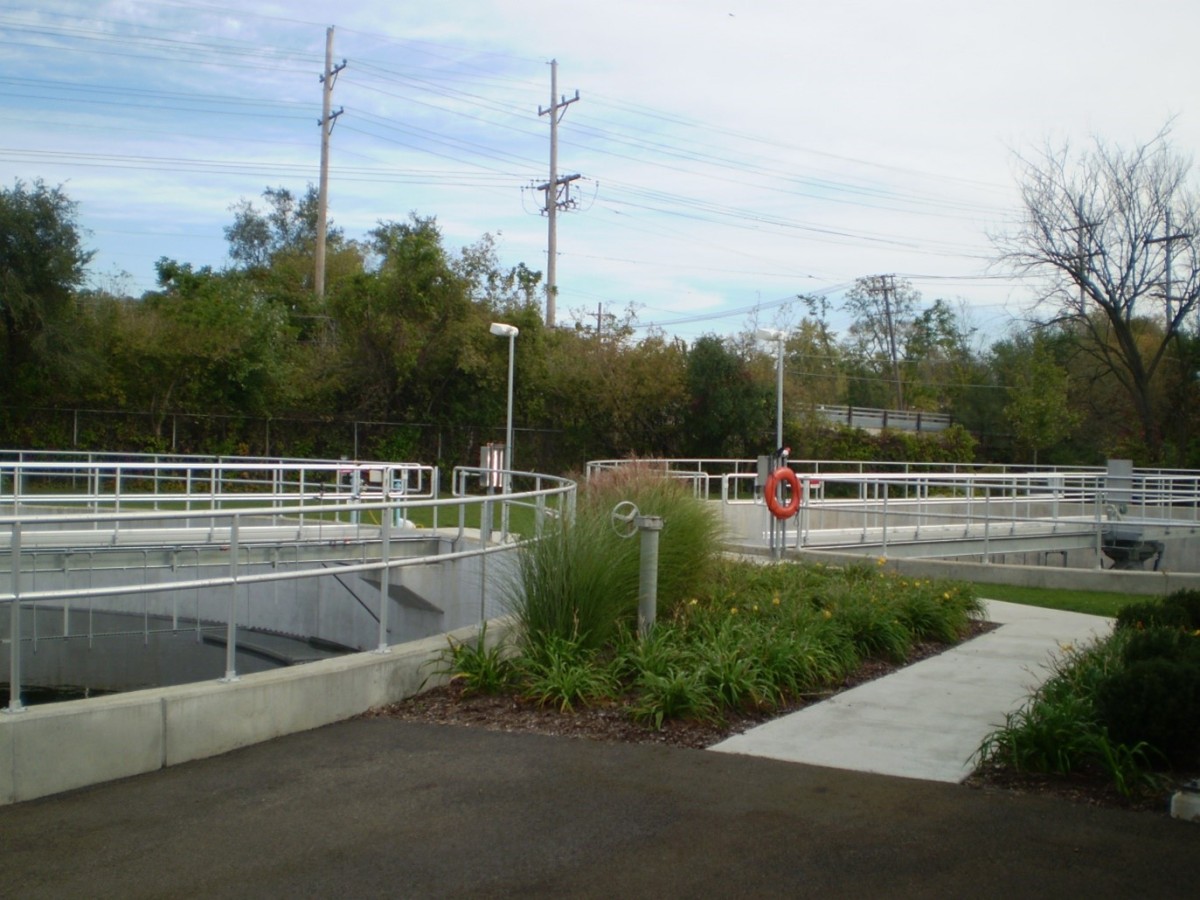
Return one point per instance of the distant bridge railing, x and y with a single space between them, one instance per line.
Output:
242 510
878 419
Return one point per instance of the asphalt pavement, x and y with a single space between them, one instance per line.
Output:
376 807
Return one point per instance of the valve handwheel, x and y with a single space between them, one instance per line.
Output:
624 518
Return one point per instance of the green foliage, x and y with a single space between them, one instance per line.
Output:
1060 731
1178 610
1039 410
729 412
563 673
42 263
689 544
480 668
673 694
1155 702
579 582
750 637
569 586
818 440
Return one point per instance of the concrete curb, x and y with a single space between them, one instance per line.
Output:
61 746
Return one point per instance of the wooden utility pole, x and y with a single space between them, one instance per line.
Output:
887 286
1168 239
326 122
555 200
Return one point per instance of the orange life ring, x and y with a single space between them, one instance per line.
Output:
783 510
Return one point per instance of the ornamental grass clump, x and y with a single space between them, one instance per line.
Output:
579 581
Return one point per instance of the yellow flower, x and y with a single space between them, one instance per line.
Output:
754 608
882 561
827 613
775 600
693 602
946 595
733 610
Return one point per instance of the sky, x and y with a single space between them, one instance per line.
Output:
732 155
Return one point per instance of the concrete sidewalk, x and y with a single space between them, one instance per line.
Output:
928 719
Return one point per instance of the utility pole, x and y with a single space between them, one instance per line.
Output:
1168 239
555 201
887 285
328 77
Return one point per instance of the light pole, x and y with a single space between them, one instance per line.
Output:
779 337
509 331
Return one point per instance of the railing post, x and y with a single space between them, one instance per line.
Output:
883 521
987 523
385 552
231 625
14 678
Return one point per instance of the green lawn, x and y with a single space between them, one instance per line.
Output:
1096 603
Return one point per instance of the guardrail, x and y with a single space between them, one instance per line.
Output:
52 502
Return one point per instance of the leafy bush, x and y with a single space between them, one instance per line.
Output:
1155 701
673 694
1059 730
562 673
481 669
1178 610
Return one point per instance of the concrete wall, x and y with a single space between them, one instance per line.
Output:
61 746
1120 582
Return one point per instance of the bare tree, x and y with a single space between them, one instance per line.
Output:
1115 236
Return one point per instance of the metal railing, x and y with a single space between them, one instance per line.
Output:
881 503
97 504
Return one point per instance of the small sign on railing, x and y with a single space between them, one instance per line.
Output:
491 460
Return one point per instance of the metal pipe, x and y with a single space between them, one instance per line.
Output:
231 625
14 667
649 527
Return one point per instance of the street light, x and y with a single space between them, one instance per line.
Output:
509 331
780 337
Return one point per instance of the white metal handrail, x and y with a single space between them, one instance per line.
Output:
235 503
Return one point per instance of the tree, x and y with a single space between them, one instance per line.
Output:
288 224
1114 235
1039 411
883 311
42 264
730 412
939 367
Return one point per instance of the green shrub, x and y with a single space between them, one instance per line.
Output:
1159 643
1155 701
569 585
1178 610
481 669
1059 730
689 545
673 694
562 673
